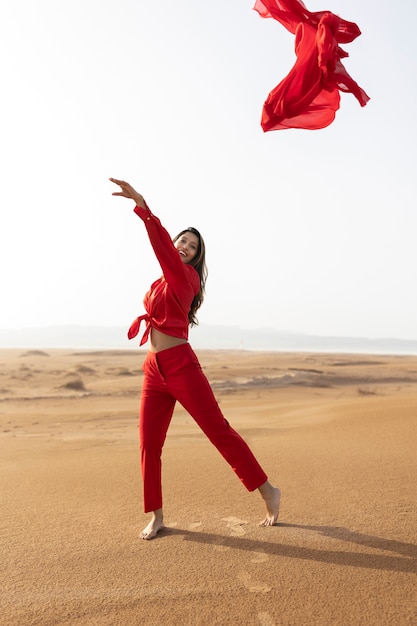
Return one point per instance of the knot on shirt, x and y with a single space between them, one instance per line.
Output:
135 327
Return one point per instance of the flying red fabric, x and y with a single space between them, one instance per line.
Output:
309 96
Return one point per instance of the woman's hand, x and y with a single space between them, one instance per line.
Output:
127 191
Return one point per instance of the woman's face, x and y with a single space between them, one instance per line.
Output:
187 246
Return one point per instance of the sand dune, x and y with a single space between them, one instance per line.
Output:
336 432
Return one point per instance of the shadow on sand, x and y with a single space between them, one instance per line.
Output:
406 562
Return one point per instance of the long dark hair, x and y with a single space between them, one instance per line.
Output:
199 264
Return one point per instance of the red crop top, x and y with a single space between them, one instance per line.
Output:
169 299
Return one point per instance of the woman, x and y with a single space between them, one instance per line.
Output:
172 371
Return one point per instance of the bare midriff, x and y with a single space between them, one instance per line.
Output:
160 341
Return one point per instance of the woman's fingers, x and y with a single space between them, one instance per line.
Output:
127 190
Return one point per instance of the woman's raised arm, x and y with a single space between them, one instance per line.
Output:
175 271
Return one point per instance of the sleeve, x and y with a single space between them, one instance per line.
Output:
173 268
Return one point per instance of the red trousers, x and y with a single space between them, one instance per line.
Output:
175 374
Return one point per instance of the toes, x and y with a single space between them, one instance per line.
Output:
150 533
147 535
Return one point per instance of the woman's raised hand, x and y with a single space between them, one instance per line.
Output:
127 191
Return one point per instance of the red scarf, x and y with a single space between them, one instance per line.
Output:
309 96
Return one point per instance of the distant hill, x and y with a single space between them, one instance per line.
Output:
203 337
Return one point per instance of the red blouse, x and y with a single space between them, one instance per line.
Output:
169 299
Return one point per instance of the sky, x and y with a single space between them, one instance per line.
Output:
306 231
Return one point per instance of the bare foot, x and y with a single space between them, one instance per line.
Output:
272 497
155 525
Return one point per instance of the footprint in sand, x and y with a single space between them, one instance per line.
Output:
259 556
235 526
253 586
265 619
217 543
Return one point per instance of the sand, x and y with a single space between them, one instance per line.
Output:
337 433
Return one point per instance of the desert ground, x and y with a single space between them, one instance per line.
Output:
336 432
